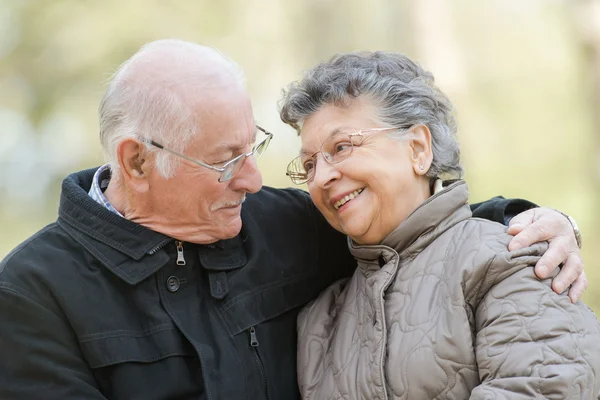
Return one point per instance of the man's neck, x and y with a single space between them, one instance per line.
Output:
122 202
115 197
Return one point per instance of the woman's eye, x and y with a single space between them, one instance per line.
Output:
309 165
342 146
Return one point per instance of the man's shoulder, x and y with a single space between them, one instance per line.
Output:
49 255
283 212
36 257
288 197
280 202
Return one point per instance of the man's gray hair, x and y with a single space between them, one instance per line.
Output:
152 96
404 93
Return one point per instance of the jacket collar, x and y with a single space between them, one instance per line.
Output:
129 250
438 213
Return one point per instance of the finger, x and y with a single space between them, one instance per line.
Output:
515 229
557 253
578 287
536 232
524 218
520 221
571 270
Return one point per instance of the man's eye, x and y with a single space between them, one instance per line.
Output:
219 162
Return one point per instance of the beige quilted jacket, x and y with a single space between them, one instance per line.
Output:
442 310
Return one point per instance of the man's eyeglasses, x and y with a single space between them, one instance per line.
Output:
335 149
231 167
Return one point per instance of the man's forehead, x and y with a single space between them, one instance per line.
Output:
225 118
234 140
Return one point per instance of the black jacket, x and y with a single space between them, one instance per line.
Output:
96 307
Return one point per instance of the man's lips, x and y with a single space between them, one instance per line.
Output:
228 205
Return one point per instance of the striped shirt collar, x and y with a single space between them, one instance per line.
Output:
99 185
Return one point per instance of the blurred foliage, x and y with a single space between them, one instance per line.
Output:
522 74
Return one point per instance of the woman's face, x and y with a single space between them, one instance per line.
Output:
381 177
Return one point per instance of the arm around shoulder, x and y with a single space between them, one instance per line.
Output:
531 342
40 356
499 209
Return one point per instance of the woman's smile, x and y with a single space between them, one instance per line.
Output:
339 203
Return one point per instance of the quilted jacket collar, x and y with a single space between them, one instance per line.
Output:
438 213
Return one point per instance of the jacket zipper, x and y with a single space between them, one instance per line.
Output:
254 344
180 257
160 246
381 358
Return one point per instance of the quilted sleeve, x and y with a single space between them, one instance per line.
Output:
530 342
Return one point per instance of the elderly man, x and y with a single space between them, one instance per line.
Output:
156 282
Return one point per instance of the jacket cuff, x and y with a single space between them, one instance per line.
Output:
501 210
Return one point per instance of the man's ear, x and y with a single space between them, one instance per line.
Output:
420 144
135 169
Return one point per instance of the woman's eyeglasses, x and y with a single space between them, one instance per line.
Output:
335 149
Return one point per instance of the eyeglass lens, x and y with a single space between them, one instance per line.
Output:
234 167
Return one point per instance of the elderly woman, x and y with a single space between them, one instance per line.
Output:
438 307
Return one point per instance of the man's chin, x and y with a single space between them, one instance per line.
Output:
231 228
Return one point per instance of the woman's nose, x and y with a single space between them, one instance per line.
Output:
325 173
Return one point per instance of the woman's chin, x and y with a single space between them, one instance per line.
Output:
355 232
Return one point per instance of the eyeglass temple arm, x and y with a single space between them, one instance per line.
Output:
263 130
160 146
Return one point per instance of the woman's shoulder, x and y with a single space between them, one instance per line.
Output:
483 231
479 248
489 239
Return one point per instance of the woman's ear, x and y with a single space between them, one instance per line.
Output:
134 167
420 144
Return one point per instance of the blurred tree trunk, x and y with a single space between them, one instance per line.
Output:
588 18
436 43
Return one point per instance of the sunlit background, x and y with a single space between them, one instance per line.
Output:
524 76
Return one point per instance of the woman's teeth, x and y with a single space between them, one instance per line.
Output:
346 199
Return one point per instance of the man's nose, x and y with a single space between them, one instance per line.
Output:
248 178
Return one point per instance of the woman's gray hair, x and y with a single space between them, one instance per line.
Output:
404 93
151 96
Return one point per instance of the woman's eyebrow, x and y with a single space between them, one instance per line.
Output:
334 132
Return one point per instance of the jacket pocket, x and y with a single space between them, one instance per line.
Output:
148 346
268 302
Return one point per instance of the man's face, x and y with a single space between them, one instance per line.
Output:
193 205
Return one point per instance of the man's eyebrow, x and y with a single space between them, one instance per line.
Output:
304 152
229 147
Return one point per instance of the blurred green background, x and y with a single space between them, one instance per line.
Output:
524 76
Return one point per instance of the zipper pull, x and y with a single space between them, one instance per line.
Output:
180 258
253 339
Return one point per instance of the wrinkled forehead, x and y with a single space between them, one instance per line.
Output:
332 120
225 119
309 148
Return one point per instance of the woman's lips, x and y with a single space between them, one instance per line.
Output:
338 204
